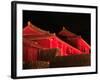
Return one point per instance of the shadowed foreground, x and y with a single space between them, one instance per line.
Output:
59 61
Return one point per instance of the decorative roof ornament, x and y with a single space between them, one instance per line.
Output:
29 23
63 28
54 33
33 27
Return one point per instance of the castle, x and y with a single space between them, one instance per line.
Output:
36 40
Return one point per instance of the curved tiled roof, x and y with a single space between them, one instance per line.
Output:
32 29
66 32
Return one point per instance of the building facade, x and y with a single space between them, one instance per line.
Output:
36 39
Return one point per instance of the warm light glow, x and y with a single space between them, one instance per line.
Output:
51 39
31 52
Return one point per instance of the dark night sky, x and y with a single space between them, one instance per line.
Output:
77 23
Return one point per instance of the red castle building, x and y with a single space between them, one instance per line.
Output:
75 40
36 39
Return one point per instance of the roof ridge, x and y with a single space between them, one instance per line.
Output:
64 29
40 30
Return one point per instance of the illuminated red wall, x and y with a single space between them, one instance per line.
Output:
76 41
44 43
65 49
83 47
30 53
